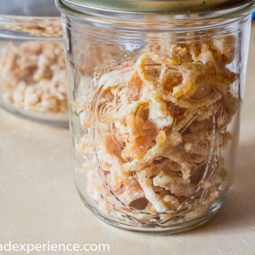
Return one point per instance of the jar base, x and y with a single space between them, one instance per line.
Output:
60 120
164 230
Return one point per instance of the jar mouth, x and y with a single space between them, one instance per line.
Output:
79 8
177 22
30 27
30 19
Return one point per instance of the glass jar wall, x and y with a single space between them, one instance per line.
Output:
155 107
32 64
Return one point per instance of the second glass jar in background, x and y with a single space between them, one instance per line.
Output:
32 64
155 104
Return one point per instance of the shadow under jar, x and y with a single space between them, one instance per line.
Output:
32 62
155 95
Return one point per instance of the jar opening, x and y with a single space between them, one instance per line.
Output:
154 22
152 7
30 19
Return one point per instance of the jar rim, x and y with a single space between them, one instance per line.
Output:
152 7
26 19
156 22
30 27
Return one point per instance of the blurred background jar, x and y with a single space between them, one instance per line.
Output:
155 95
32 64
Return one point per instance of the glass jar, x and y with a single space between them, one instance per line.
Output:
32 63
155 90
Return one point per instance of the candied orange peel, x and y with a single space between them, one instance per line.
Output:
159 123
33 76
